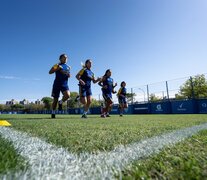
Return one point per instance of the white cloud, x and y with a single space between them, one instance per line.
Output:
9 77
18 78
36 79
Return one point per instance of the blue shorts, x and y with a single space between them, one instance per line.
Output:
107 96
57 88
122 100
85 91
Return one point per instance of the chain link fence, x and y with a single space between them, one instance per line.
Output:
159 91
151 92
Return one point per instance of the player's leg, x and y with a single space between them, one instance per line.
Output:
54 105
66 96
109 104
87 105
55 95
88 102
121 109
125 105
104 108
121 105
83 100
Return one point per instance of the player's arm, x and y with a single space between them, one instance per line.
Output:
114 85
101 83
96 80
55 68
78 77
66 72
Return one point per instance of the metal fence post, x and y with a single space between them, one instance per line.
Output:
168 97
192 87
147 93
132 96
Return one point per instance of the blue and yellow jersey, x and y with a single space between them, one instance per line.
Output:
61 77
122 91
109 82
87 76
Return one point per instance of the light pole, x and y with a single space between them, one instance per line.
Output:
143 92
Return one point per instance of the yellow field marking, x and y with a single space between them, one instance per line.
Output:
4 123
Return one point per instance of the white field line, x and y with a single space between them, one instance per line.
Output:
50 162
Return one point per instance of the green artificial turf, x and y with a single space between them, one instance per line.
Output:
186 160
9 159
96 134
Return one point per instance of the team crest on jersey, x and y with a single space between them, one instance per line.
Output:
110 81
90 74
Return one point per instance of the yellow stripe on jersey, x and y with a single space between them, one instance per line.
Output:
81 71
55 66
119 92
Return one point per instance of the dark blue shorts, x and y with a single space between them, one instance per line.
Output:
107 96
122 100
85 91
57 89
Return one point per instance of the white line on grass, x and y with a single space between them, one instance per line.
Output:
50 162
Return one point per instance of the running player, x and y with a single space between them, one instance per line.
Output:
122 98
62 73
85 76
108 86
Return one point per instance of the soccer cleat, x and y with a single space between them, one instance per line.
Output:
77 98
103 116
53 116
84 116
107 115
121 115
60 106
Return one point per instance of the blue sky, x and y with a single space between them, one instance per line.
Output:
142 41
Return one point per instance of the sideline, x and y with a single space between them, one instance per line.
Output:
50 162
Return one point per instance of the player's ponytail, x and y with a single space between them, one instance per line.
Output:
82 64
86 62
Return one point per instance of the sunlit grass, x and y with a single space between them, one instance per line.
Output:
186 160
96 134
9 158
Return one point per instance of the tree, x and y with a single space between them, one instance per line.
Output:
5 108
154 98
130 97
2 107
33 107
195 87
72 103
17 107
47 102
96 103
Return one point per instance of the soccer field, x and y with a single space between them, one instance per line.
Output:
184 158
